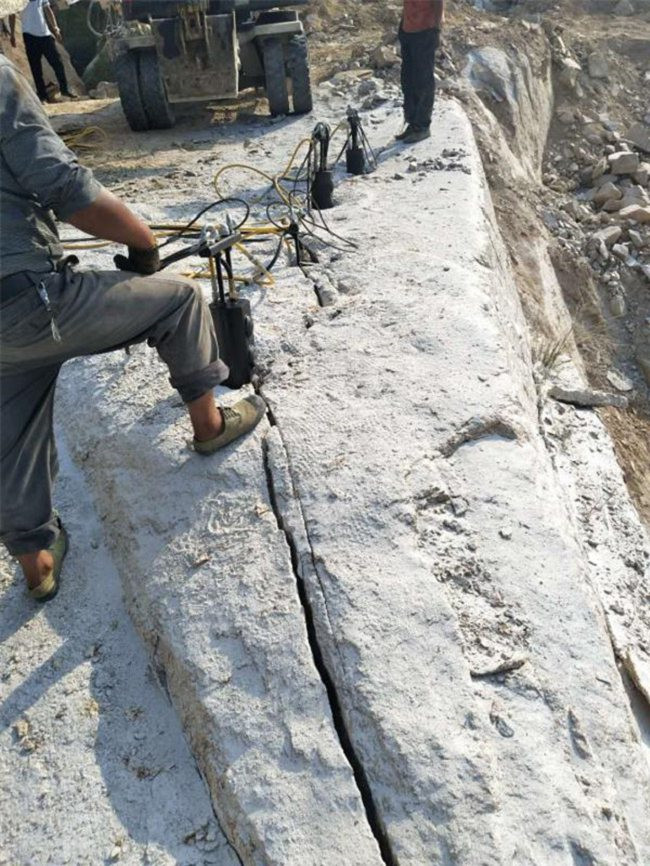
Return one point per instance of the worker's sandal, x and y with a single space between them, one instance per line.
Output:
237 420
49 586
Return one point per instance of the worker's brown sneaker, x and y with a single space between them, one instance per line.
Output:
237 421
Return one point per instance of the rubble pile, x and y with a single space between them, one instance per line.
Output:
608 217
596 200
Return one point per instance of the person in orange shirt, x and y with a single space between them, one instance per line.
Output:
419 36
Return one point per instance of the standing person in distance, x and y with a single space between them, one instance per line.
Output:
40 35
419 36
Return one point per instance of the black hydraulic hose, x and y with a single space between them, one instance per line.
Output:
204 210
276 255
179 255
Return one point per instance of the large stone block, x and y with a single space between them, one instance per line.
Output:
407 496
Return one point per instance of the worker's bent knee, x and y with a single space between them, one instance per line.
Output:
196 384
187 342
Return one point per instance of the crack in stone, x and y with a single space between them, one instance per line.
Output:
214 812
345 741
160 674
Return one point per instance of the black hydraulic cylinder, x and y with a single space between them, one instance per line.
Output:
355 160
233 322
322 190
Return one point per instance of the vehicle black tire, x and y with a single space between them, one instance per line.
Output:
154 95
298 62
275 73
128 85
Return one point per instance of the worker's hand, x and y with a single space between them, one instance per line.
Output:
139 261
57 35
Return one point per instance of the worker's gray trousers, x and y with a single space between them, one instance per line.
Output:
95 312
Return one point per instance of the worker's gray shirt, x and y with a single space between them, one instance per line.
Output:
40 178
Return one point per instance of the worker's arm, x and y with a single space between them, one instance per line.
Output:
439 12
109 218
12 30
47 170
52 23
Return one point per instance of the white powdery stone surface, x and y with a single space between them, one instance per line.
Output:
93 762
435 542
210 585
452 602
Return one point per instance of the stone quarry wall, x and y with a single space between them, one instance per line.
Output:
386 626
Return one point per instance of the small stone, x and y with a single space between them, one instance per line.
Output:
637 239
621 252
348 286
636 213
115 854
624 8
642 175
105 90
599 169
384 56
570 71
593 133
597 65
587 397
617 306
327 295
619 381
639 135
608 236
623 162
606 192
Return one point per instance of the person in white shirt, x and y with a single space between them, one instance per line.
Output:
40 35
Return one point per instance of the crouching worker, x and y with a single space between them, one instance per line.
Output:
419 36
50 312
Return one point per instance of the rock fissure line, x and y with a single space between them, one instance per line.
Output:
360 777
160 674
214 811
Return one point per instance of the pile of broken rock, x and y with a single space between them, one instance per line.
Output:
608 219
618 191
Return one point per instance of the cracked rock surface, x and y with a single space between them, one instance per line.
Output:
375 616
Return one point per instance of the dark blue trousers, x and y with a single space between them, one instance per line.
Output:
418 79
